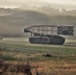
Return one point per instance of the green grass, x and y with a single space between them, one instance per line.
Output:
34 52
19 50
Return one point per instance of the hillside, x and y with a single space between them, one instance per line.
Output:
14 23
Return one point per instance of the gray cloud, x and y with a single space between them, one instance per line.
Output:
69 4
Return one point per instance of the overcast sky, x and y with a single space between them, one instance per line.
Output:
69 4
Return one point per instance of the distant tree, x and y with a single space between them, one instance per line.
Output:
63 10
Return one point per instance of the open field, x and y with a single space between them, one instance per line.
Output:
47 59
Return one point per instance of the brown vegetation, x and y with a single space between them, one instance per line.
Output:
15 68
43 59
37 68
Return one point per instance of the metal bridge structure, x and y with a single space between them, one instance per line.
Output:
49 34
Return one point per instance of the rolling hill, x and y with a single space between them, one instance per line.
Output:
13 24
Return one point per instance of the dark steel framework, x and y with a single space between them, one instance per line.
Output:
48 34
50 29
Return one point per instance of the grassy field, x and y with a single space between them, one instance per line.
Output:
61 59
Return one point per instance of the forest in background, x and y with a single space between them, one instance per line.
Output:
13 21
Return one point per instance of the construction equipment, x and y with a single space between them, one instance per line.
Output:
48 34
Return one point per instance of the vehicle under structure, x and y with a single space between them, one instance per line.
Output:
48 34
